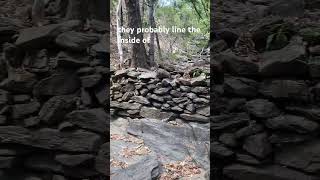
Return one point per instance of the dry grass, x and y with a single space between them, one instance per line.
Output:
118 164
182 169
126 138
136 151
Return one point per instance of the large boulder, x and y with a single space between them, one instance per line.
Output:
288 61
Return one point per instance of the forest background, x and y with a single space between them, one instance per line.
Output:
172 47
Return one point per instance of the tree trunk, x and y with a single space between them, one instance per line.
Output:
139 55
142 9
159 48
98 9
119 45
77 9
152 24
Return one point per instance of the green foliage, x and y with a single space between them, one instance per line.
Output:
280 35
278 40
196 73
182 13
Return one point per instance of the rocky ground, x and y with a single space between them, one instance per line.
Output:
53 97
160 125
265 115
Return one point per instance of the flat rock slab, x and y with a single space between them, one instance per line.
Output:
173 143
76 41
57 84
39 37
146 168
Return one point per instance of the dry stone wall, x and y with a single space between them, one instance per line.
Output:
160 95
54 101
265 114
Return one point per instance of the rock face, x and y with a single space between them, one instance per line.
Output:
265 104
53 98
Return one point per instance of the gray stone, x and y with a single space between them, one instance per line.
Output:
262 108
258 145
91 119
195 117
217 150
161 73
162 91
149 164
51 139
148 75
292 123
90 80
241 87
76 41
73 60
303 156
244 172
141 100
20 111
285 62
237 65
154 113
39 37
20 99
74 160
156 98
54 110
200 90
289 89
57 84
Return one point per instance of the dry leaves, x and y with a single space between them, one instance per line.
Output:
136 151
180 169
119 164
126 138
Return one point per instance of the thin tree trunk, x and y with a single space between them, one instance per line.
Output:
152 35
119 45
158 43
142 9
139 54
196 9
77 9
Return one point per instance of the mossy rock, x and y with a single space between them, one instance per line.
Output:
311 35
